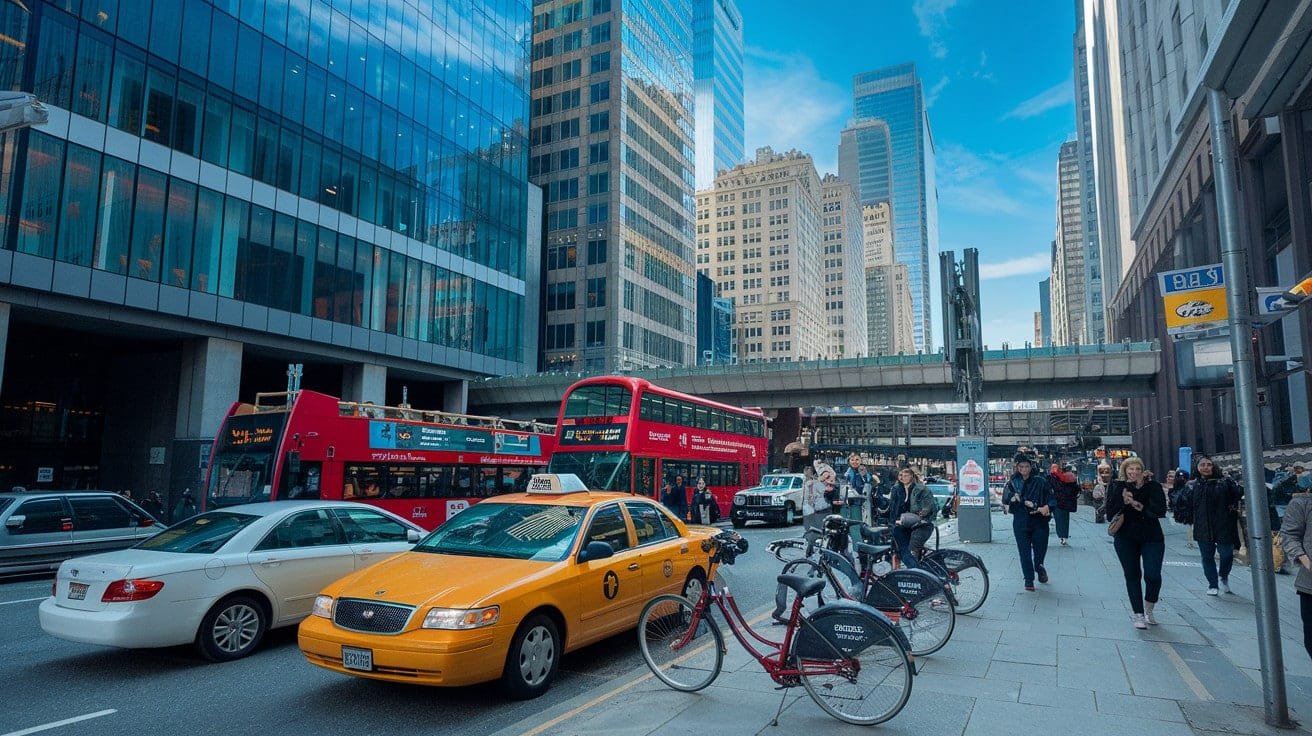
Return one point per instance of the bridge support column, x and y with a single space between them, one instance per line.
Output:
455 397
365 382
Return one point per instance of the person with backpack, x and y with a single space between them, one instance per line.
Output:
1067 494
1031 500
1214 502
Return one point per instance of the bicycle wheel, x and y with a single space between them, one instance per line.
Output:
874 678
932 625
681 657
788 550
966 575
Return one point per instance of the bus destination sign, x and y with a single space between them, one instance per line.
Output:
594 434
398 436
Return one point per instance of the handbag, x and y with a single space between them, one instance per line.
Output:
908 520
1116 523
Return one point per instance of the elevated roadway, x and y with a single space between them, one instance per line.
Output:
1117 370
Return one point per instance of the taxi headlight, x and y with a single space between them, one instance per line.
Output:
777 500
323 606
461 618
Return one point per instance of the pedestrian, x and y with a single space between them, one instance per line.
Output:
1296 540
1213 500
814 505
1140 504
154 505
1099 493
1067 494
186 507
911 510
675 498
706 510
1031 501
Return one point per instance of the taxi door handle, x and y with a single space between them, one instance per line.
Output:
633 566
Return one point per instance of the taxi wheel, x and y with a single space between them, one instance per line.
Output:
533 659
694 585
231 629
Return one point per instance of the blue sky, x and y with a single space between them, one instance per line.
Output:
1000 93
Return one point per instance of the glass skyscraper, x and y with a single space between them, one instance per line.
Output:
895 95
718 78
262 181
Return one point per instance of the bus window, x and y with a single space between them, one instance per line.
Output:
361 481
464 481
488 482
644 476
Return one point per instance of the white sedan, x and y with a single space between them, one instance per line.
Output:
220 579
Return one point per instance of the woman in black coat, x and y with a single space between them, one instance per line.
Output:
1139 541
1214 501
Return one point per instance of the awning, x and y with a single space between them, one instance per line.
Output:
1263 53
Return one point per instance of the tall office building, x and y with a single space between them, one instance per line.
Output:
1045 314
895 95
718 79
226 188
1094 309
865 158
612 148
843 238
714 325
888 294
1068 272
759 239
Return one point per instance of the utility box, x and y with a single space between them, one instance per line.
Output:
974 510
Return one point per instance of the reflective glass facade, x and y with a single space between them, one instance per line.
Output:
361 162
718 74
865 158
895 95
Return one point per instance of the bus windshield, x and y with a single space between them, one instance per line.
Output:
241 470
599 471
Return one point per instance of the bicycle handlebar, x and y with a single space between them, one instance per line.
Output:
727 545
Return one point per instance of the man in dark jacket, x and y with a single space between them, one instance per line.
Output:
1030 500
1215 501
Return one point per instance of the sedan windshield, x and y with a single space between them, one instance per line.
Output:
204 534
514 531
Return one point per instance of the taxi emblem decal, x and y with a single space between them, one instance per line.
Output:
668 568
367 614
610 585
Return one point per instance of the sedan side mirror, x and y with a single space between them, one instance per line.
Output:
596 551
146 521
16 521
413 535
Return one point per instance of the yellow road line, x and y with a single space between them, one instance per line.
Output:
542 727
1186 674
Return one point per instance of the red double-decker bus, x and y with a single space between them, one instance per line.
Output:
423 465
627 434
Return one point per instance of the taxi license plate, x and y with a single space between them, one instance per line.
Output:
358 659
77 591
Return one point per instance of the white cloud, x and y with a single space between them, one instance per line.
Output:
931 15
788 104
1034 263
932 95
1052 98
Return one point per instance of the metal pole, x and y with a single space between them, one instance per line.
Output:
1250 428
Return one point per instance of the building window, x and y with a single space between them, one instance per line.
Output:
596 252
598 213
560 296
599 121
601 32
596 334
597 292
599 183
600 62
599 152
599 92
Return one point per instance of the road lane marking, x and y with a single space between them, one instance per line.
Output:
540 728
22 600
65 722
1186 674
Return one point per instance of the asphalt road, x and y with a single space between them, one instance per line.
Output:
274 691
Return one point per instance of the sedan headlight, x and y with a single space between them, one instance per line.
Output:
323 606
462 618
777 500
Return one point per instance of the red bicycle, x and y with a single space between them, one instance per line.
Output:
853 662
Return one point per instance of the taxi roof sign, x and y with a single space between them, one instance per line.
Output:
556 483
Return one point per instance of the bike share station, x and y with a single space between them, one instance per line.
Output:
974 516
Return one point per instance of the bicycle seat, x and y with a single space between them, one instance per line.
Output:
802 585
874 534
875 550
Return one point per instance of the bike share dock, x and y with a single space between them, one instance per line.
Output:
1064 659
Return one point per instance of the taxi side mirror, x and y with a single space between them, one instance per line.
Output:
596 551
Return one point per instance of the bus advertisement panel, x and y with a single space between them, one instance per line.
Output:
627 434
425 466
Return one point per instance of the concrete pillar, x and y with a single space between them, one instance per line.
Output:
365 382
455 397
208 383
4 339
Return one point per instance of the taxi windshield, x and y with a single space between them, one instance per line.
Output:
202 534
514 531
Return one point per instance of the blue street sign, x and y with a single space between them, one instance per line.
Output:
1191 279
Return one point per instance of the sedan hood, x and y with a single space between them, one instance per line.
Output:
446 581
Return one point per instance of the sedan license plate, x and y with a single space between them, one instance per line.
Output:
77 591
358 659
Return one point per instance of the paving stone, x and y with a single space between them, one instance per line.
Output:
997 718
1121 704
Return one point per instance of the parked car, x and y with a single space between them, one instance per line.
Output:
777 500
39 530
221 579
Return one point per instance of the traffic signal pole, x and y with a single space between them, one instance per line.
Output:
1250 428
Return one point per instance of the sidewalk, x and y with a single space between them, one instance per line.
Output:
1063 660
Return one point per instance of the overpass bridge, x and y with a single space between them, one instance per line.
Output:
1119 370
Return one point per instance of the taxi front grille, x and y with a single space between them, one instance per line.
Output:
371 617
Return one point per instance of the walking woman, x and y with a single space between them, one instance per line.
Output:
1067 493
1139 542
1031 500
1214 504
814 505
1099 493
1296 539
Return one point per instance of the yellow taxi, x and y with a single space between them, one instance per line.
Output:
503 589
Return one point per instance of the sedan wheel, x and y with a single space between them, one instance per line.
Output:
232 629
533 658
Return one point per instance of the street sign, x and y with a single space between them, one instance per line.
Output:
1271 301
1193 298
